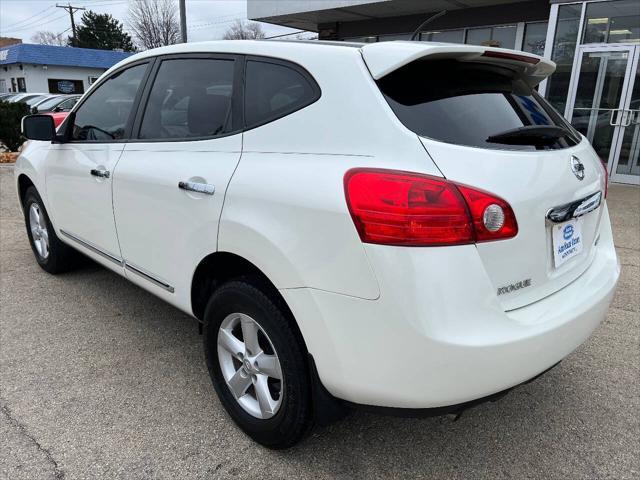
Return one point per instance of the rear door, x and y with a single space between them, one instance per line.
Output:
169 186
484 125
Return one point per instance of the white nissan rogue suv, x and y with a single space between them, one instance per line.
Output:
404 226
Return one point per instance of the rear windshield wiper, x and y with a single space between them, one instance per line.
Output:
530 135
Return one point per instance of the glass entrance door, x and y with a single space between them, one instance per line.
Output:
604 106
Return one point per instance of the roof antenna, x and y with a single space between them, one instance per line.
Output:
428 20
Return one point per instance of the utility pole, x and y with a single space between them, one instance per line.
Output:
183 21
71 10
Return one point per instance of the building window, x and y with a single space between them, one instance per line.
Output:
612 22
65 86
447 36
368 39
563 51
535 35
398 36
503 36
22 85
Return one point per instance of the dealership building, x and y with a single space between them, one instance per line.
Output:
26 67
595 44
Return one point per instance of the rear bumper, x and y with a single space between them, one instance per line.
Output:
437 335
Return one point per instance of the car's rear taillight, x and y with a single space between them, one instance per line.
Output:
484 208
401 208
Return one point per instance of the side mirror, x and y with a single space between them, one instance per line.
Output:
38 127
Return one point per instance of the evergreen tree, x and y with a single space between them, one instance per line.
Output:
103 32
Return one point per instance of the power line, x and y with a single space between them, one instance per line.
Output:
27 20
37 24
286 34
233 17
71 10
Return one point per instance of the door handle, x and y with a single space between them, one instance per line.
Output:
627 117
614 114
197 187
100 173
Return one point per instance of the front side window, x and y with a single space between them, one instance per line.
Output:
474 104
67 105
274 90
104 115
190 98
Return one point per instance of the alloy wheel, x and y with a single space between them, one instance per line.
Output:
250 365
39 231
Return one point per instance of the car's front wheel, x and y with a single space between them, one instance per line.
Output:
257 362
51 254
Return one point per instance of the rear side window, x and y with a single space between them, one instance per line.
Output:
475 105
190 98
274 90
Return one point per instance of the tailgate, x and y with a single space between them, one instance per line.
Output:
524 266
483 124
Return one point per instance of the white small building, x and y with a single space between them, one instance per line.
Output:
49 69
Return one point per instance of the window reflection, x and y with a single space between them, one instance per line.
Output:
503 36
535 36
612 22
564 47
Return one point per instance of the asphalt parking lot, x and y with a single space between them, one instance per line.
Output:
99 379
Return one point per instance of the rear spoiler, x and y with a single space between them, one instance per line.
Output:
384 57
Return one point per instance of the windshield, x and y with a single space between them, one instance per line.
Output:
33 100
50 103
474 104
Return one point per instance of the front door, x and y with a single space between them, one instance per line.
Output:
604 106
169 185
79 172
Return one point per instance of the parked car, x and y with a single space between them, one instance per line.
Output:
11 96
58 117
25 97
401 226
34 100
58 103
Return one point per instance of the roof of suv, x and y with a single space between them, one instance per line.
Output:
381 58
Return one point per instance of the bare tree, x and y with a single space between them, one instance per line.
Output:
241 30
49 38
154 23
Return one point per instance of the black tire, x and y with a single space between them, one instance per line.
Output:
293 420
60 257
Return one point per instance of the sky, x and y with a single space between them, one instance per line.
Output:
206 19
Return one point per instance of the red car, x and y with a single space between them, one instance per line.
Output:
58 117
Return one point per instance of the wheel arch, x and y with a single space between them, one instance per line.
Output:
219 267
24 182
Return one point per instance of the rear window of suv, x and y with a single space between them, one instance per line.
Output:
476 105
